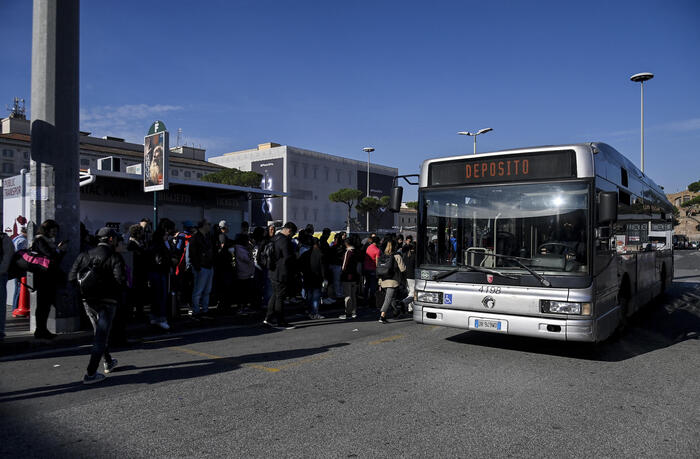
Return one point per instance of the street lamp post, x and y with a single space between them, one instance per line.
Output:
368 150
474 134
641 78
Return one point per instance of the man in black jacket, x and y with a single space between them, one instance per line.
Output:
201 258
100 302
283 274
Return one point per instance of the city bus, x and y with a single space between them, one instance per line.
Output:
558 242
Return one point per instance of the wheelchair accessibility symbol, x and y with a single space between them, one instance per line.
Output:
447 299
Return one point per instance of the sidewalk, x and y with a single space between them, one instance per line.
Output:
19 340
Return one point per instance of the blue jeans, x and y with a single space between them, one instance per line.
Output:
202 288
101 316
337 285
3 306
15 297
314 299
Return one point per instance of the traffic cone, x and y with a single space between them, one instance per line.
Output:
23 303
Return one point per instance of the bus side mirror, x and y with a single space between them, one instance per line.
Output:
396 196
607 207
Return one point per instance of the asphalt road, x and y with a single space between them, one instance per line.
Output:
362 389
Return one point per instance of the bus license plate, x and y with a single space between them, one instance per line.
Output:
489 325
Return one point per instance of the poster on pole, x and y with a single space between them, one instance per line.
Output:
155 158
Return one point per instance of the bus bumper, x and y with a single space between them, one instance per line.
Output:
535 327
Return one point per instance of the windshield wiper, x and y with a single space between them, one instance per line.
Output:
536 275
467 268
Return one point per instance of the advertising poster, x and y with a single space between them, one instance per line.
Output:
379 185
268 209
155 162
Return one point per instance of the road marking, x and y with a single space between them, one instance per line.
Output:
314 358
197 353
251 365
387 339
261 367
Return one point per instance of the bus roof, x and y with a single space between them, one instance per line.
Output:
586 154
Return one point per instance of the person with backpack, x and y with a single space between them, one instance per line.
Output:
100 275
8 250
350 276
46 283
282 264
201 258
390 267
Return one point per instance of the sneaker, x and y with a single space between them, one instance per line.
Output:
319 316
354 316
109 366
164 325
286 326
342 317
269 323
97 377
313 316
382 320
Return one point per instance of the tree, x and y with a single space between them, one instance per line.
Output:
371 205
694 187
347 196
412 205
234 177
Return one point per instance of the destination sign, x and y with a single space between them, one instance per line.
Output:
506 168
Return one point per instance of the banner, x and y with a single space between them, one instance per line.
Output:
155 162
268 209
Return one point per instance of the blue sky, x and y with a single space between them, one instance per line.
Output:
402 77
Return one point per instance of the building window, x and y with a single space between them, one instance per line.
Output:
84 162
199 175
8 153
174 172
26 155
349 177
188 174
315 172
337 173
294 169
327 173
8 168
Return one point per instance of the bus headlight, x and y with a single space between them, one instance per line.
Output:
429 297
565 307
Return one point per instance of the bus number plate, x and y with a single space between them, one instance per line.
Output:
488 325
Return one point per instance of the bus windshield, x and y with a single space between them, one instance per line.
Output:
544 225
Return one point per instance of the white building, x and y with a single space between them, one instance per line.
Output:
309 177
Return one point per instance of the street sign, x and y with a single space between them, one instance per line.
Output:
157 126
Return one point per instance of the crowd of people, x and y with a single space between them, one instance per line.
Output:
151 274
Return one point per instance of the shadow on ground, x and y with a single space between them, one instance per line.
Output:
172 371
670 319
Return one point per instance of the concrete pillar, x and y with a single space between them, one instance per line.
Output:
54 188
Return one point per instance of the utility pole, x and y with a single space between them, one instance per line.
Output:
54 188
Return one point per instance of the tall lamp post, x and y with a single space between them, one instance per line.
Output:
474 134
641 78
368 150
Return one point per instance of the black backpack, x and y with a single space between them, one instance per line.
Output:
89 279
385 266
267 256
